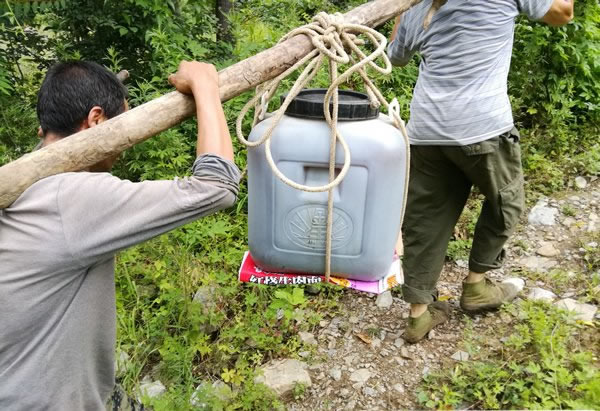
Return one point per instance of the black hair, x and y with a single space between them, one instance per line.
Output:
71 89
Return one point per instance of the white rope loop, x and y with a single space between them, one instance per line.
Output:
335 41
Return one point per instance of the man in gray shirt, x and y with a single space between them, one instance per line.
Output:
462 134
58 240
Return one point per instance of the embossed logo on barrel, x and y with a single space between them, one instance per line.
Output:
306 226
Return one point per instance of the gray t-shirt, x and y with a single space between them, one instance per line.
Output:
461 94
57 291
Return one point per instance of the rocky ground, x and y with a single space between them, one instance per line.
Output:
358 358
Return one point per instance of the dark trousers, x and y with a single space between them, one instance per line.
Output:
441 178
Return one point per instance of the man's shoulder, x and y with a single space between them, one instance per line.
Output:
47 190
79 178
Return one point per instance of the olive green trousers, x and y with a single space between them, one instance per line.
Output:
441 178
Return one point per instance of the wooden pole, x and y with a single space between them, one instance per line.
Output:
114 136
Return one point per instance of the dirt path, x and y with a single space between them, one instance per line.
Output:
380 371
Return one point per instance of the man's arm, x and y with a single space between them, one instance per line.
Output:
560 13
395 29
398 51
202 81
102 214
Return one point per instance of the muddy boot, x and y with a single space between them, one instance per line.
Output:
437 313
486 295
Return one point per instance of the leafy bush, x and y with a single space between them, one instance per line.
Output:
554 74
18 129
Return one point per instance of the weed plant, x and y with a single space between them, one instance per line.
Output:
541 359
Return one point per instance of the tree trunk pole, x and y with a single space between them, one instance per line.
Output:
114 136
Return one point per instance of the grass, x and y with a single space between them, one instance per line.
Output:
226 336
541 359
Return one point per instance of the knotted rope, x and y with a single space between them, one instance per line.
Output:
338 42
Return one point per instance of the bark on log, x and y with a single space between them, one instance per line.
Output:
90 146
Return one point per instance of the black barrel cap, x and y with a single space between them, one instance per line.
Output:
353 105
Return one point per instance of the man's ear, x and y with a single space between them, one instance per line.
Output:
95 117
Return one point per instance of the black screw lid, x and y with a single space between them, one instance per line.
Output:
353 105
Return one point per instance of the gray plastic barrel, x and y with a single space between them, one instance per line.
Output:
287 227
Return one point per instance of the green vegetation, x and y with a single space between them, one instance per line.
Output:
232 328
541 359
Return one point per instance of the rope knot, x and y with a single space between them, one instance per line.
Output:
327 21
337 42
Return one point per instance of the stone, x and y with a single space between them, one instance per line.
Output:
569 221
399 388
393 335
399 343
360 376
283 375
581 182
206 296
541 214
460 356
217 389
312 289
539 294
593 218
121 362
384 300
307 338
334 324
535 263
462 263
444 337
376 343
350 359
345 392
354 320
335 373
517 282
548 250
369 392
583 312
151 389
404 353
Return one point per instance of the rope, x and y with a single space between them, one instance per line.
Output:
338 43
